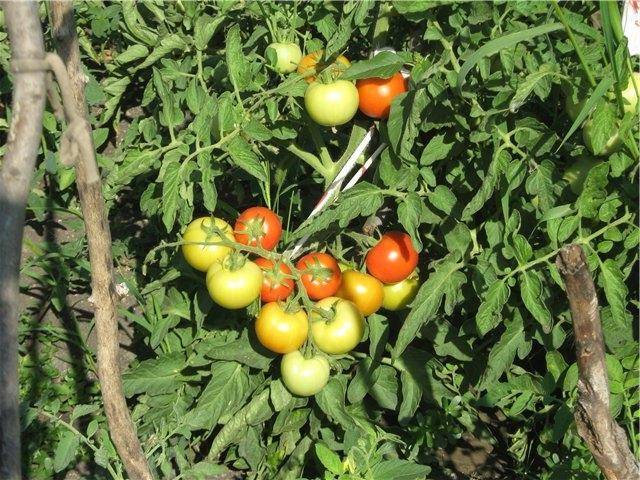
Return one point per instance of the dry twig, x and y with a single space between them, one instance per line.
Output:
29 93
89 186
604 437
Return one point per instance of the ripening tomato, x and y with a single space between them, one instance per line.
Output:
376 94
309 63
201 257
235 282
393 258
288 56
320 275
363 290
304 376
258 226
398 295
342 331
281 331
277 284
331 104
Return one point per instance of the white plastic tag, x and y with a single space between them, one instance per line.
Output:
631 25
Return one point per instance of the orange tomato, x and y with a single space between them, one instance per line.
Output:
376 94
363 290
309 62
281 331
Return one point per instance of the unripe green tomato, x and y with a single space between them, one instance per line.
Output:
304 376
288 56
577 173
611 146
573 109
398 295
342 332
331 104
234 288
629 95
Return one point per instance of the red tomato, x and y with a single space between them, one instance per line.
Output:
275 284
376 94
258 226
393 258
320 275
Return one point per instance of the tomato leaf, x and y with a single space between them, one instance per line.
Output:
383 65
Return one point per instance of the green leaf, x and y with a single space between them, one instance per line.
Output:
405 117
531 293
503 352
65 450
170 194
241 351
490 311
256 411
615 290
226 389
331 401
603 126
330 460
385 388
360 201
409 211
244 157
506 41
204 28
383 65
154 376
498 165
399 470
411 395
529 84
236 61
436 149
133 52
167 45
594 191
444 281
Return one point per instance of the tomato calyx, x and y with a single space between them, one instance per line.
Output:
254 229
234 261
319 273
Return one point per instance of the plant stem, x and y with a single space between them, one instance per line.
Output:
325 157
576 47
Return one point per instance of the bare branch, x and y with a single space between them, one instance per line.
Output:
604 437
29 93
89 186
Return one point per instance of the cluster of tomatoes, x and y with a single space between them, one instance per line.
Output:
334 101
335 298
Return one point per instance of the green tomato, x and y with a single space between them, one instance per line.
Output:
342 332
235 282
331 104
304 376
577 173
611 146
288 56
398 295
573 109
629 95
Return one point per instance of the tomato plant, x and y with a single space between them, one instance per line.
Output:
235 282
304 376
196 116
258 226
279 330
363 290
331 104
277 283
320 275
340 326
376 94
393 258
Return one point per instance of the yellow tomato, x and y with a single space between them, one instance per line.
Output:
201 257
363 290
